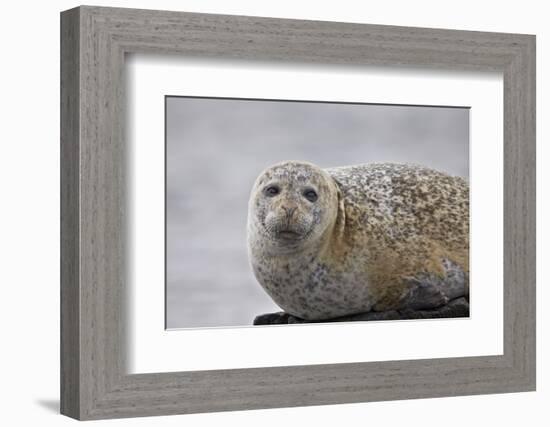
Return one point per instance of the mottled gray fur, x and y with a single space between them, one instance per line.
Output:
377 237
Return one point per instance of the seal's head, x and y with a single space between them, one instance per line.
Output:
292 205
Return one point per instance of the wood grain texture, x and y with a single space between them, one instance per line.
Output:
70 221
94 382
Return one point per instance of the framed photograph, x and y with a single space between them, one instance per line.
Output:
215 148
261 213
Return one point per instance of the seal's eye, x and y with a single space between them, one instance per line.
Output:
272 191
311 195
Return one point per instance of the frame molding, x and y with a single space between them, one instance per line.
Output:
94 41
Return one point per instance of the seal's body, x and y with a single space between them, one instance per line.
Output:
326 243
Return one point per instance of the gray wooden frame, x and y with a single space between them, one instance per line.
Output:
94 383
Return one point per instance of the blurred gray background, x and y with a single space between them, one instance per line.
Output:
217 147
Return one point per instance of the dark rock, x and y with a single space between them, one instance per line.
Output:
279 318
459 307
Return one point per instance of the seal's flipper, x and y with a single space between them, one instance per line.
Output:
424 294
427 291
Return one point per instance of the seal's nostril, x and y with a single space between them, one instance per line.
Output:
288 211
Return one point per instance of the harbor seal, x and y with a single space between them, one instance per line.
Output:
326 243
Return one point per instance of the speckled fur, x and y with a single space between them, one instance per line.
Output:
379 237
